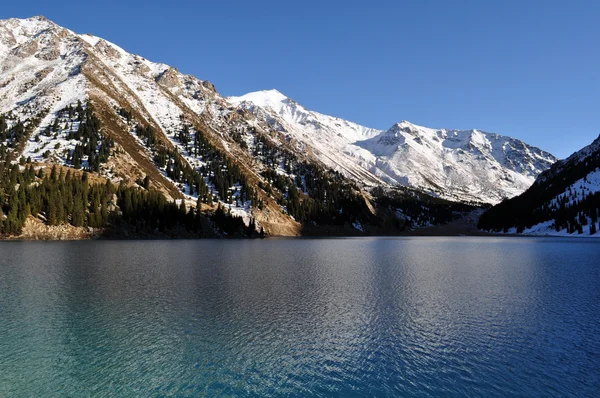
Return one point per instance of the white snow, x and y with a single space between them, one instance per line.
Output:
584 186
590 184
331 139
546 228
40 70
468 165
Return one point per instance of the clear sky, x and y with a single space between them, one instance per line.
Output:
527 69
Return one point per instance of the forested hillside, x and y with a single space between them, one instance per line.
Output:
565 200
94 137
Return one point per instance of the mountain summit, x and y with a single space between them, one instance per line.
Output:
171 128
465 165
79 102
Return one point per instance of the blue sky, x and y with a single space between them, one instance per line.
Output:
528 69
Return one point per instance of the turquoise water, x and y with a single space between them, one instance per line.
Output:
447 317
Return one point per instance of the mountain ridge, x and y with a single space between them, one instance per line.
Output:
82 102
84 68
354 149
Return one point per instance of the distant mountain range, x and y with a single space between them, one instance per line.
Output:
80 102
463 165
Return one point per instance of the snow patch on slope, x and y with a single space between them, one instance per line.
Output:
581 188
546 228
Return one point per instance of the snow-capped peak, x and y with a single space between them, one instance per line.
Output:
17 31
265 98
467 165
44 67
294 113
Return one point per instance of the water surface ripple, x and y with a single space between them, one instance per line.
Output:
415 317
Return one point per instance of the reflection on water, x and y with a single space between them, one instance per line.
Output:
345 317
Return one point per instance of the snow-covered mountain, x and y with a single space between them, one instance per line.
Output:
563 201
81 102
78 101
329 138
466 165
47 70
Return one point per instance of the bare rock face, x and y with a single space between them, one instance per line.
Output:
44 46
50 49
143 69
169 78
209 86
25 50
40 75
61 33
6 37
105 48
35 229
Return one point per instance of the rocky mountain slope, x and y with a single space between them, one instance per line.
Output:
78 102
164 151
464 165
563 201
171 127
